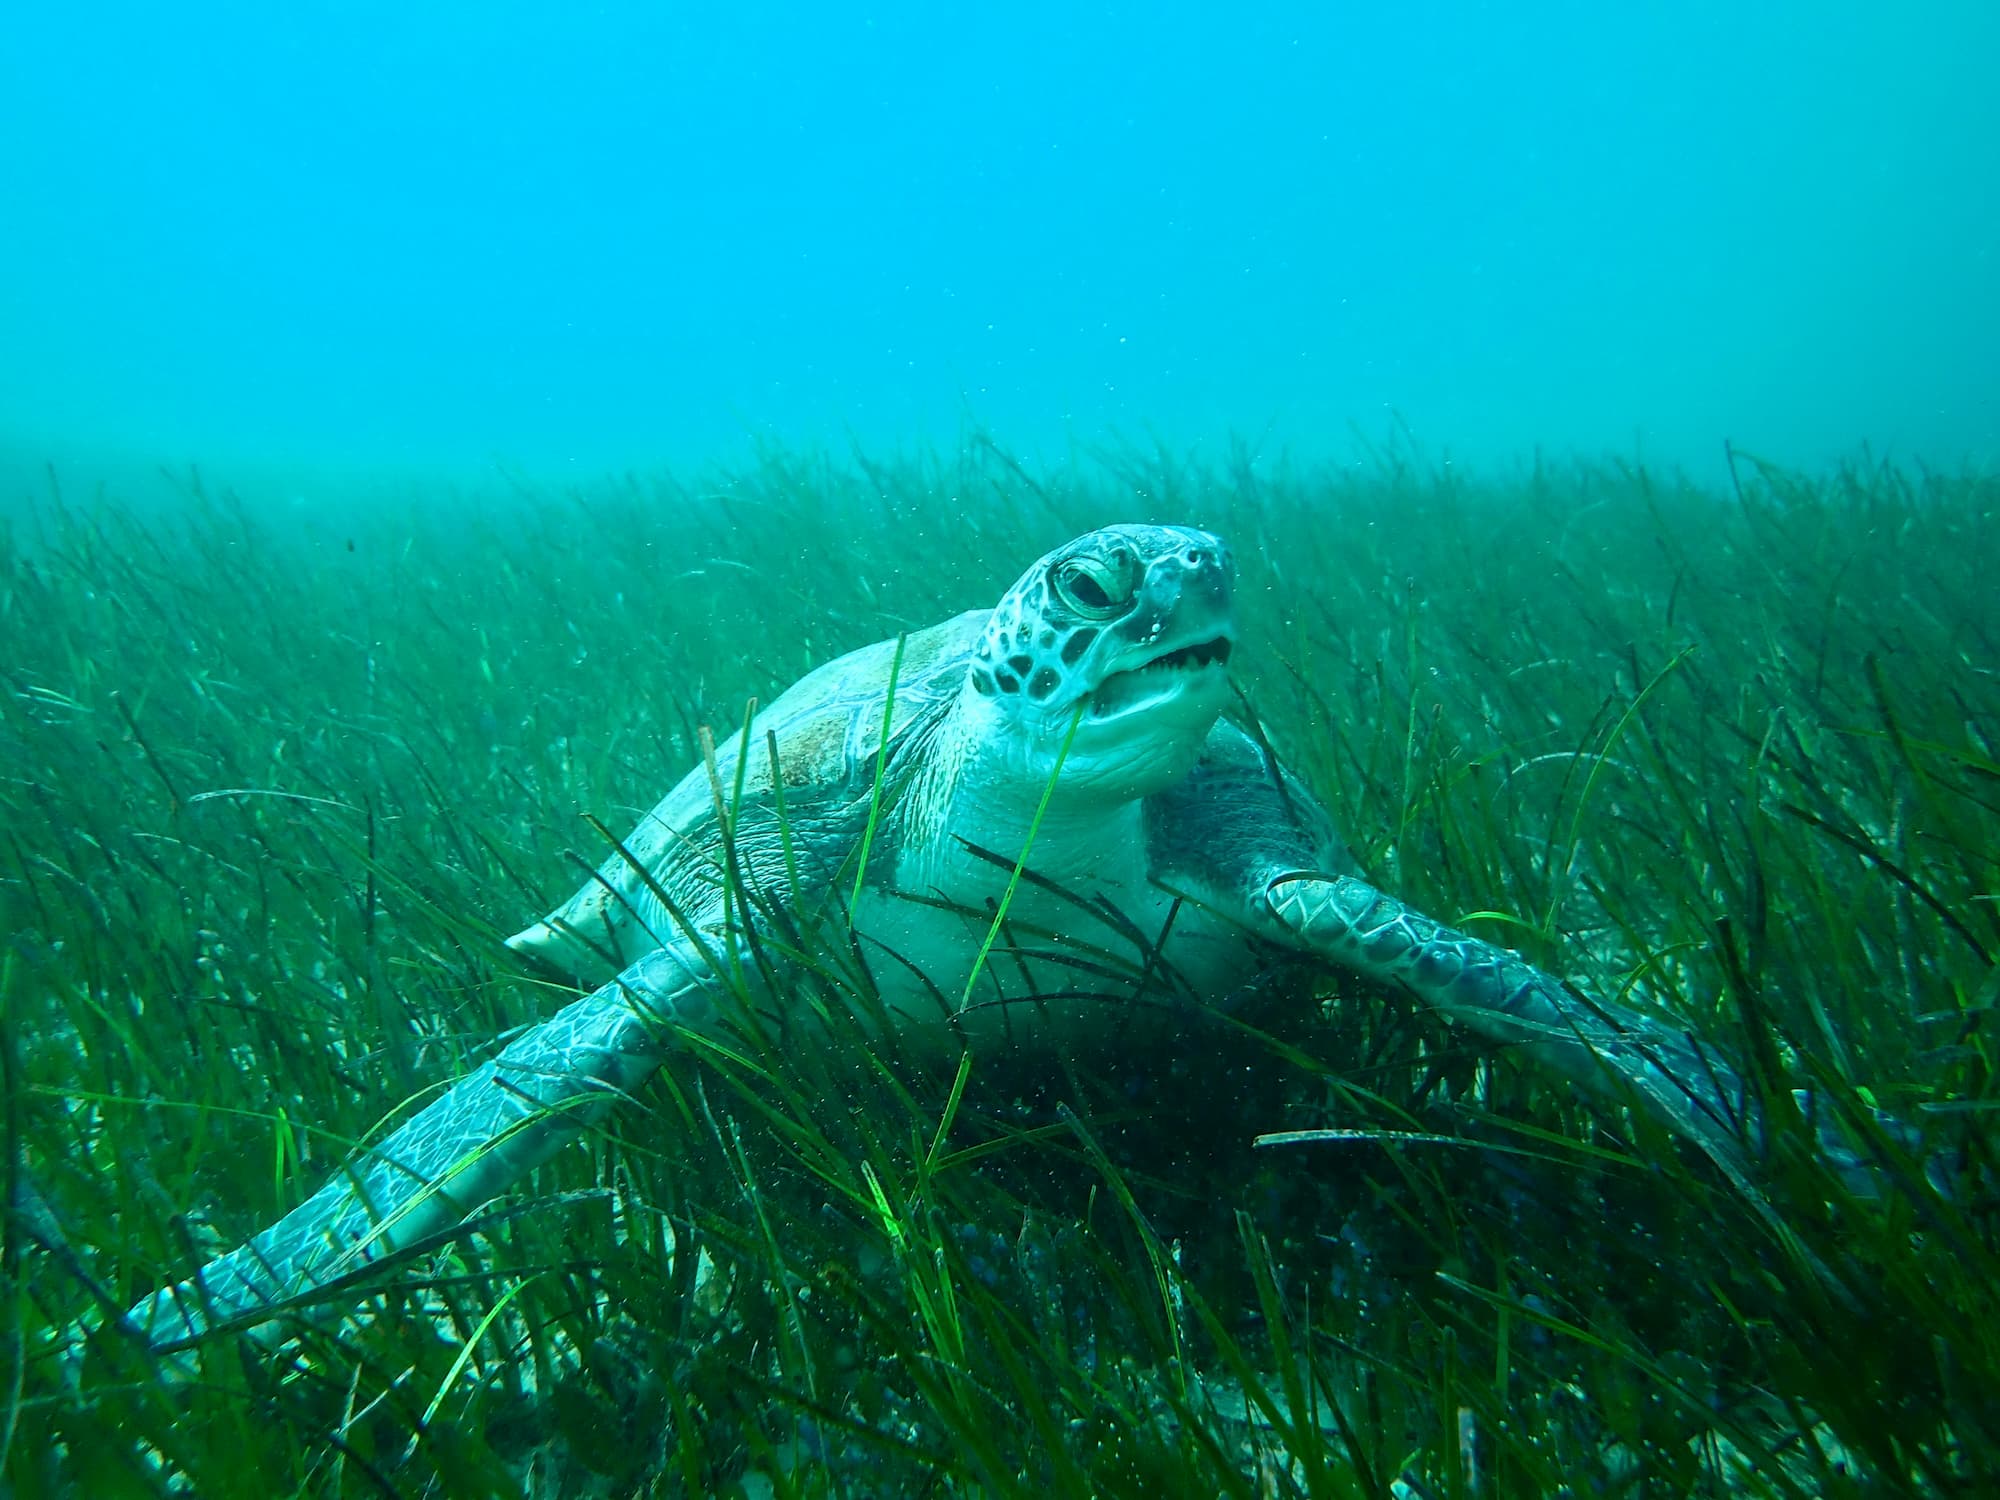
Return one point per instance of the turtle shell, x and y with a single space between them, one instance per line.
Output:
827 727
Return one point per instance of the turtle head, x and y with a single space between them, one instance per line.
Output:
1131 626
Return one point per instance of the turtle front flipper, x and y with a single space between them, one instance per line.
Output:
1614 1052
494 1126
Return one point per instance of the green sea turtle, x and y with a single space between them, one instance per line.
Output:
1050 780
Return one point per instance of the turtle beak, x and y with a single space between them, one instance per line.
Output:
1185 596
1180 632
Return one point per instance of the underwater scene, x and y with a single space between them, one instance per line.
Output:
837 752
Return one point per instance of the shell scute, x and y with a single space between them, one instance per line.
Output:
828 726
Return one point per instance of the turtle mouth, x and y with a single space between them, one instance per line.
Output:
1158 679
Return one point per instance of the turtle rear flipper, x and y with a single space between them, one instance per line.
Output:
491 1129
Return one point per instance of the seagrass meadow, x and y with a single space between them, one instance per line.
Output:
275 783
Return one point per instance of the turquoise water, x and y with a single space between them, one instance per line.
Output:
817 307
328 238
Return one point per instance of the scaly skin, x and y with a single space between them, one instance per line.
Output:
1615 1053
492 1128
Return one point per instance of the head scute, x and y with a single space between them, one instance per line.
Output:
1125 632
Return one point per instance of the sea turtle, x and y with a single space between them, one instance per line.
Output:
1050 780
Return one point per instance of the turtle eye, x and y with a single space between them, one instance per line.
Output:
1098 588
